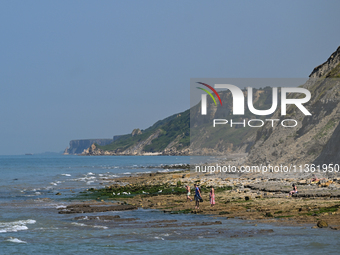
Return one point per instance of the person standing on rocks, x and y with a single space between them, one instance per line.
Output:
212 196
198 196
188 193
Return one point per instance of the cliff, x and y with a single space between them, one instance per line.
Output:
78 146
316 138
169 136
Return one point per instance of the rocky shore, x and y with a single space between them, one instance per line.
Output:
260 198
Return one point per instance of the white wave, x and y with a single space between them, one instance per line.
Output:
60 206
66 174
103 227
89 173
89 182
79 224
158 237
53 183
85 225
163 171
46 228
127 173
15 226
147 172
84 179
15 240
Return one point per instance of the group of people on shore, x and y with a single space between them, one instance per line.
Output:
198 195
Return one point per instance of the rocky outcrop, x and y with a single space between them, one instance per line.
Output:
85 208
136 132
78 146
331 63
94 151
137 149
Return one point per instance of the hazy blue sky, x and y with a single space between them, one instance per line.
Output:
94 69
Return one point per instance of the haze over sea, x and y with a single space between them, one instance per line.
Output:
30 223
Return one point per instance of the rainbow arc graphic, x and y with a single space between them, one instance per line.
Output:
204 97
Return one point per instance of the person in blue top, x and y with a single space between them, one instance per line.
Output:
198 196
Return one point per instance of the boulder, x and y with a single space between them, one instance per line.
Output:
322 224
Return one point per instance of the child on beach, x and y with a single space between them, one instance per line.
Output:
212 196
293 191
188 193
315 179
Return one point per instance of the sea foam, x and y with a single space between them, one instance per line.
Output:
15 226
15 240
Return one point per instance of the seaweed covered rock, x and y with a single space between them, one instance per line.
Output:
322 224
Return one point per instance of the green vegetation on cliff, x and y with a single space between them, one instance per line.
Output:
171 128
172 135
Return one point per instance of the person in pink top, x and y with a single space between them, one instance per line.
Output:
212 196
188 193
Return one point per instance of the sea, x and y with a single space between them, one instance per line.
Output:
30 223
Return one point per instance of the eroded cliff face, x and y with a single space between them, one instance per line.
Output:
316 138
223 139
331 151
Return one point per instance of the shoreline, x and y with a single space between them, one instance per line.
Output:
262 200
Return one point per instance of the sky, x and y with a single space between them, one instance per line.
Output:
94 69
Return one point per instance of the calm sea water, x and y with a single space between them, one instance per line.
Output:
30 223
